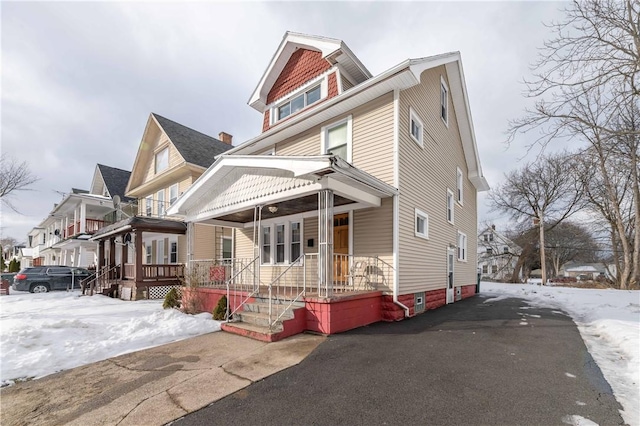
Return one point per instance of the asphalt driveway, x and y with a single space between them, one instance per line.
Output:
468 363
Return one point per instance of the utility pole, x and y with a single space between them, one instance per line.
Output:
543 262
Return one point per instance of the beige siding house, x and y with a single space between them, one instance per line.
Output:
359 187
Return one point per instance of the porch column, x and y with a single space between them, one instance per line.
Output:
138 259
83 218
125 257
100 255
325 243
112 252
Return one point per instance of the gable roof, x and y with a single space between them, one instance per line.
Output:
402 76
115 180
195 147
335 51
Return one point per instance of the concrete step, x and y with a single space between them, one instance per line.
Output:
251 330
263 308
257 319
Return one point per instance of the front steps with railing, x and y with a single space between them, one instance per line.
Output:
253 320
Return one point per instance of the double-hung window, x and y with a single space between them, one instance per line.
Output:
415 126
148 210
449 206
459 182
336 139
162 160
160 198
444 101
295 241
227 247
422 224
173 252
266 244
173 193
281 243
148 252
299 102
462 246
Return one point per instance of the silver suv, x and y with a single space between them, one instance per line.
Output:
41 279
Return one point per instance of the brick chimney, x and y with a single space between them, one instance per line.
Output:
225 137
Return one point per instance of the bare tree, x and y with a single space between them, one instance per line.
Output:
544 192
570 242
586 85
14 177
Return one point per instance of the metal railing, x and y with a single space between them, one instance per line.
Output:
102 279
286 289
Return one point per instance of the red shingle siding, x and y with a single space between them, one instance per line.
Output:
333 86
265 122
302 67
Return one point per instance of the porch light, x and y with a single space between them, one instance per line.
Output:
273 209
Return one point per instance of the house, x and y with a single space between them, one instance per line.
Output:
587 271
497 255
66 232
142 256
356 203
36 239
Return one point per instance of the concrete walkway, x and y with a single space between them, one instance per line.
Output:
153 386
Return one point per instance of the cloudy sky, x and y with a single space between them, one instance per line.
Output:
80 79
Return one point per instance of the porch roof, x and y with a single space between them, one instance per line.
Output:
148 224
234 184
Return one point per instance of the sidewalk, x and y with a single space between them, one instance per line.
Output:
152 386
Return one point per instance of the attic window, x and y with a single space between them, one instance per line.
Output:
299 102
162 160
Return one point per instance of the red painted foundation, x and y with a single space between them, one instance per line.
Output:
335 315
205 299
468 291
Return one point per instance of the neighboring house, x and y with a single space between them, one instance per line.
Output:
80 214
36 239
25 257
358 199
497 255
145 253
586 271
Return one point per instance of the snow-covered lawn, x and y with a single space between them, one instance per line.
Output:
44 333
609 322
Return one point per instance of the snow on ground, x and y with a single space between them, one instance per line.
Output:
44 333
609 322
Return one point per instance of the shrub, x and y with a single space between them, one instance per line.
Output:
14 266
172 299
220 311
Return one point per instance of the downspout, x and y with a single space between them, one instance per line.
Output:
396 201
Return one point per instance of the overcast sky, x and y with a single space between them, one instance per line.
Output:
80 79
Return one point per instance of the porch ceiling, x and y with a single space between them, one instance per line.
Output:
230 189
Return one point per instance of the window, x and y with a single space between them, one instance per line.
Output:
148 206
462 246
505 250
296 241
161 202
173 194
490 237
266 244
162 160
227 247
449 206
299 102
422 224
336 139
173 252
415 126
459 186
280 243
489 250
485 269
148 249
494 269
485 237
444 101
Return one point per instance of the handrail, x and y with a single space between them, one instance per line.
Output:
100 274
250 295
296 264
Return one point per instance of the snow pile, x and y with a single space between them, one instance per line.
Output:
609 322
44 333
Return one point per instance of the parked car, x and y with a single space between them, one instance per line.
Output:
41 279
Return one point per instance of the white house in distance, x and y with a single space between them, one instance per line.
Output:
356 203
497 255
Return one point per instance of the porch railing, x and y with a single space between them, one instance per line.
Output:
91 226
160 272
102 279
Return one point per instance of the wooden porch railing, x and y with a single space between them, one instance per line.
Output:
91 226
159 272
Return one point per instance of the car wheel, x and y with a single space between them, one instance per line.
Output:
39 288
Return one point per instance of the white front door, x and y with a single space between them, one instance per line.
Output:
450 260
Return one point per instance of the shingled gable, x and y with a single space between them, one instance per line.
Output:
115 180
311 51
195 147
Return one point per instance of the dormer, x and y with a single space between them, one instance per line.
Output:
305 71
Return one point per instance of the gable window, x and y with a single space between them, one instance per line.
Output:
173 193
161 202
162 160
415 126
148 208
449 206
462 246
422 224
336 139
444 101
459 194
299 102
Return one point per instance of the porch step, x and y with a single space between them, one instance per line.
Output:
253 320
250 330
276 309
258 318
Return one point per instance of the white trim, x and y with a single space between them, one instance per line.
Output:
425 218
338 79
445 86
350 232
325 129
413 115
450 206
459 186
322 80
176 186
272 225
310 214
396 137
464 245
